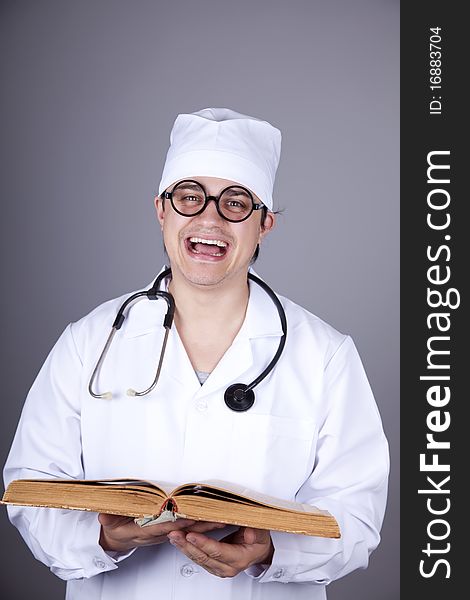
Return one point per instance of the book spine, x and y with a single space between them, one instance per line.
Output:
169 505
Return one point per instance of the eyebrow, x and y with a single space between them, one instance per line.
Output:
190 186
231 191
236 192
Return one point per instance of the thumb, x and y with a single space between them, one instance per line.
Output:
255 536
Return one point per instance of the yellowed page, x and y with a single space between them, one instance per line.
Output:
258 497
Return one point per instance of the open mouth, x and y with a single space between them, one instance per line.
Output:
210 248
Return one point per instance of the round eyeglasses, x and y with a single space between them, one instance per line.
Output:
234 203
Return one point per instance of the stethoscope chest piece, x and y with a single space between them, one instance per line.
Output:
239 398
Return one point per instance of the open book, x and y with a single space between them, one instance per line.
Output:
152 502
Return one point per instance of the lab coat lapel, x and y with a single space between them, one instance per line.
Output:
179 366
234 363
146 318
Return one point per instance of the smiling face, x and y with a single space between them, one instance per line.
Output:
207 250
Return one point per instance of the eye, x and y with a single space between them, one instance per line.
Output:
191 198
188 197
236 200
236 204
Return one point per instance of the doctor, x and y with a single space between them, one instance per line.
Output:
313 434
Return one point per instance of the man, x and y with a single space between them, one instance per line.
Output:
313 433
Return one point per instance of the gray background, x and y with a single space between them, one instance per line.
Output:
89 93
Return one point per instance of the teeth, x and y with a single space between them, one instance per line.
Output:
196 240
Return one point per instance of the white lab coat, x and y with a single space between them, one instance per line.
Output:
314 434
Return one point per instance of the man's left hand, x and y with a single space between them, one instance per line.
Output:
229 556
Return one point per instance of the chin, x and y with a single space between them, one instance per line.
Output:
204 274
205 279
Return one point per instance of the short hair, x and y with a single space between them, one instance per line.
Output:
264 212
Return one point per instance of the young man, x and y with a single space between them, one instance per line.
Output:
313 432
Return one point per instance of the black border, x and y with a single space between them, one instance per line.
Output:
421 133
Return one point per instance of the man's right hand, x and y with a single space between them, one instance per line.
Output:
121 534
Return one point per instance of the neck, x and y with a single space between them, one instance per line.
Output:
208 318
224 303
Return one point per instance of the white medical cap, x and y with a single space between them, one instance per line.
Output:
219 142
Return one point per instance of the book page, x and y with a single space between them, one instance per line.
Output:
165 488
220 487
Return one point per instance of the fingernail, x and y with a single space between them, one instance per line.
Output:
191 539
173 541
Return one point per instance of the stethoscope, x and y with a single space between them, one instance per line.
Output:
239 396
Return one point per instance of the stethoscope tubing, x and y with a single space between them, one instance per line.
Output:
239 397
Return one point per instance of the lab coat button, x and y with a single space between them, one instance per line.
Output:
187 570
100 564
201 405
278 574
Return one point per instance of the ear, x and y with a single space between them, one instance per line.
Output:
158 202
267 226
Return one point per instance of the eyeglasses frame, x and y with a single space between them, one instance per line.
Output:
254 206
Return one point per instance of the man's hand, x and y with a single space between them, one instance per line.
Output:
229 556
122 534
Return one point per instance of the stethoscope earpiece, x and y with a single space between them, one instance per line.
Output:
238 398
